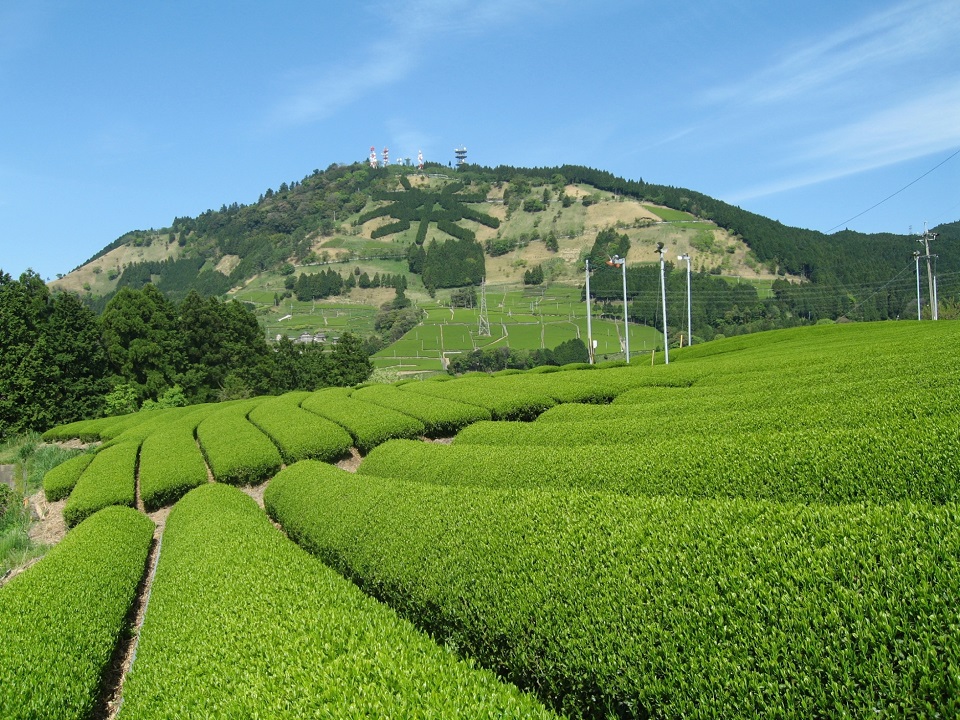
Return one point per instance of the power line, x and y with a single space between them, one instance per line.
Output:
957 152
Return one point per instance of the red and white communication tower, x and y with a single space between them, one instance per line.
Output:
373 156
386 156
419 159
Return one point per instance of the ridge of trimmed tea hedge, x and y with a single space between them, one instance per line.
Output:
236 450
61 619
369 425
885 462
300 434
487 392
109 479
243 623
171 463
59 481
441 417
615 606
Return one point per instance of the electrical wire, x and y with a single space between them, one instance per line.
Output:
957 152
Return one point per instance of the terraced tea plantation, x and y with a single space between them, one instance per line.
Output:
766 527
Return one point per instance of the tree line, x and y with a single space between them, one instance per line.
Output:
60 361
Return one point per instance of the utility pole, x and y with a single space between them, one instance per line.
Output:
663 297
589 314
686 256
925 238
916 261
617 261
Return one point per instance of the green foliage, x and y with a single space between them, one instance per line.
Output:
61 619
369 425
453 263
236 450
298 433
656 607
486 392
440 417
122 400
242 623
59 481
171 463
51 360
109 479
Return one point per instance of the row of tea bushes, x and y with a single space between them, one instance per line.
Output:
237 452
440 417
369 425
59 481
300 434
109 479
886 462
487 392
613 606
61 619
242 623
171 463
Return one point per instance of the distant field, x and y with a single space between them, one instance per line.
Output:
525 319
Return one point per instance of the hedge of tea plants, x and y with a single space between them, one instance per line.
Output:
300 434
61 619
487 392
369 425
171 463
59 481
917 461
237 452
615 606
242 623
109 479
440 417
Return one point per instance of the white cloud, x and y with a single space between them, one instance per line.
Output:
876 45
920 126
321 93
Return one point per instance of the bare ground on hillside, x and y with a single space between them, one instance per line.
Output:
49 526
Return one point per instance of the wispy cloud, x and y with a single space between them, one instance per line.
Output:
322 92
920 126
903 34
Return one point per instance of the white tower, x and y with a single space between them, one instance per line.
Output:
419 159
373 157
386 156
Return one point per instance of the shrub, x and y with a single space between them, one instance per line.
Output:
610 606
300 434
171 462
441 417
242 623
61 619
369 425
236 450
109 479
60 481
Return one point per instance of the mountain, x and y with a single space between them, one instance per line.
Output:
523 218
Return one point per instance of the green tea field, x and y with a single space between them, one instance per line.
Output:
767 527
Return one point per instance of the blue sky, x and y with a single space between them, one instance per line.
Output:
123 115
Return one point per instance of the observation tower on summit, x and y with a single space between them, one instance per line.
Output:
461 154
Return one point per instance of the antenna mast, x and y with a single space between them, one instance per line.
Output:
484 329
373 157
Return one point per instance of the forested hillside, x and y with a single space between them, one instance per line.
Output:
354 211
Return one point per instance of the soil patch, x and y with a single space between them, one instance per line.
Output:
48 526
351 463
256 492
